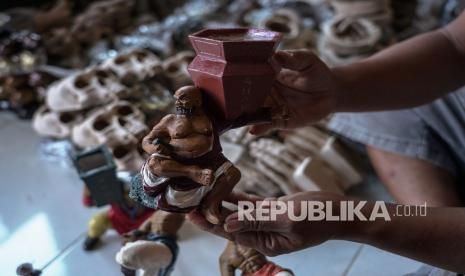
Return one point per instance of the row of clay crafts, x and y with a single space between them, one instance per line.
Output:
186 169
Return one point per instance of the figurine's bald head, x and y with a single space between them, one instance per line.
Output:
188 99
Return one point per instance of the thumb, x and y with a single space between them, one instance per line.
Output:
234 224
260 129
277 123
297 60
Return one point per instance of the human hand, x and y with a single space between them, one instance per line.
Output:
306 85
275 237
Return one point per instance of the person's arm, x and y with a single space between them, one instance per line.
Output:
437 238
407 74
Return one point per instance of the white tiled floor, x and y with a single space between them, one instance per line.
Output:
41 216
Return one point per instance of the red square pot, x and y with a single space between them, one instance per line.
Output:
233 68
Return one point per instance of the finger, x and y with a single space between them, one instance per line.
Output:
289 92
292 79
297 60
231 223
198 219
260 129
287 77
277 123
248 239
234 224
236 197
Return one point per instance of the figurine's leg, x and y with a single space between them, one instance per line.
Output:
171 168
211 205
98 224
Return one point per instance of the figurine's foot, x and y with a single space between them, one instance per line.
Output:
90 243
204 177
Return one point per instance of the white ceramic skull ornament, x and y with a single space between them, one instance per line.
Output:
136 65
115 124
82 90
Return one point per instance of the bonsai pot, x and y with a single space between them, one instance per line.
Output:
98 171
232 67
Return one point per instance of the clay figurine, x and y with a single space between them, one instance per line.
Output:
152 248
122 216
186 161
103 187
249 261
186 167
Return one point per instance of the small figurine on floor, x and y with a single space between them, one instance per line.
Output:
186 166
27 269
152 248
122 216
249 261
103 187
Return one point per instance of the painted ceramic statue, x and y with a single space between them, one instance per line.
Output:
233 77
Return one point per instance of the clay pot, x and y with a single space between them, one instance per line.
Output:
233 68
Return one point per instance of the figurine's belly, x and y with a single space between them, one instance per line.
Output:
195 144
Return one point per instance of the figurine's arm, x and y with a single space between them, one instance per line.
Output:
226 260
138 233
159 131
146 226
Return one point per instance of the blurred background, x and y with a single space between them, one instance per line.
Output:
90 78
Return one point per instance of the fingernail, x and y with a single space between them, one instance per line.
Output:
232 226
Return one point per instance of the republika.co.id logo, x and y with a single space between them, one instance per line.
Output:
269 210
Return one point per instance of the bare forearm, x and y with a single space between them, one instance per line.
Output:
408 74
147 142
437 238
